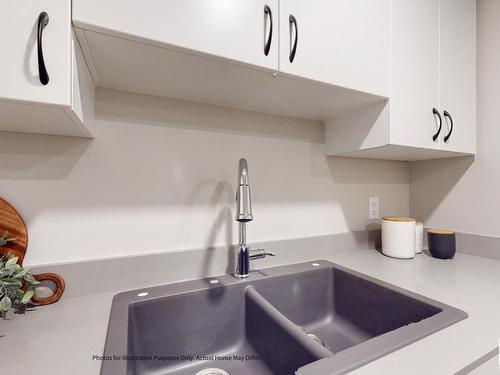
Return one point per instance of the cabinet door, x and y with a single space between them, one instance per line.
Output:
458 73
415 73
236 30
19 75
340 42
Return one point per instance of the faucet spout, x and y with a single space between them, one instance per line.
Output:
243 172
243 199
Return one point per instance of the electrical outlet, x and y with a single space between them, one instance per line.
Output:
373 208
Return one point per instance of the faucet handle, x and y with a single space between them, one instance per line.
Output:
260 254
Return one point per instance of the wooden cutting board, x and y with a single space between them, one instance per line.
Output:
11 221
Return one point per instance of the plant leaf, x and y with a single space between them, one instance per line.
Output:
12 281
13 268
11 262
27 296
21 273
29 278
4 272
5 304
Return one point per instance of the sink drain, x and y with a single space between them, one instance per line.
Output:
314 337
212 371
317 339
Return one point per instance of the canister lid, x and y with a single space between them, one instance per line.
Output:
399 218
440 231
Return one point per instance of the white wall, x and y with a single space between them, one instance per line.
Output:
463 194
161 175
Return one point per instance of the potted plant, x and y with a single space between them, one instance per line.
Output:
17 285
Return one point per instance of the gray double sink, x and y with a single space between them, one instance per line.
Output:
314 318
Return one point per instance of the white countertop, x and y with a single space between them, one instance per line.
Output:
61 339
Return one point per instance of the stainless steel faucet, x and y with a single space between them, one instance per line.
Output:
243 254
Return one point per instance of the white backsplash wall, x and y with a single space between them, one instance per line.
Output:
463 193
161 176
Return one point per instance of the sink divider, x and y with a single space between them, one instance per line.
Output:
265 316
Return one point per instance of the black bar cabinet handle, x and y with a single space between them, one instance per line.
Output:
293 24
436 112
447 136
267 45
43 20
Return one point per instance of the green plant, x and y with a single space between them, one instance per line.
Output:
5 238
17 285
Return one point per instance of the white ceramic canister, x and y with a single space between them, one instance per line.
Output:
398 237
419 237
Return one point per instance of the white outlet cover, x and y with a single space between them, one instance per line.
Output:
373 208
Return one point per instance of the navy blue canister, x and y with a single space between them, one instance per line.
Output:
441 243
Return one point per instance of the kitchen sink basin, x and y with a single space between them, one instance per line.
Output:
306 319
235 326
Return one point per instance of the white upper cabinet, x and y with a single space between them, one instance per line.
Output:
458 75
392 79
45 85
227 52
236 30
20 53
415 73
339 42
431 112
